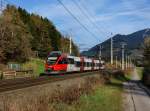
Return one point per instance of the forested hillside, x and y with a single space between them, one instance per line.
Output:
24 35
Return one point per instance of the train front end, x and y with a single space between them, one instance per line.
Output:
55 63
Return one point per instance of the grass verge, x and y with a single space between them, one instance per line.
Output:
91 95
36 64
140 71
106 97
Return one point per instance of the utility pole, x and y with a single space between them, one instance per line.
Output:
70 47
126 61
100 52
122 46
131 65
111 47
116 62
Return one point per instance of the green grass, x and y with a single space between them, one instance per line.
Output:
128 74
104 98
36 64
140 71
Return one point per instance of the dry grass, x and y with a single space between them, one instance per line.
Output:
73 93
50 102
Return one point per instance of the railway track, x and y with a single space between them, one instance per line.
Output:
9 85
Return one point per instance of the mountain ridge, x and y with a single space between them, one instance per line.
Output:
134 43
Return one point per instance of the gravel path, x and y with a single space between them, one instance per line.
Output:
136 98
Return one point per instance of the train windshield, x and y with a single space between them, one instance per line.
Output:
51 60
55 54
52 57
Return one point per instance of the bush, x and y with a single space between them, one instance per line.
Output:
37 65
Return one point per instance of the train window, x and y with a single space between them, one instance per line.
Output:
100 64
71 61
78 64
63 61
84 64
90 64
87 64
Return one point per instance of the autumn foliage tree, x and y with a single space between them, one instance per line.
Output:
14 38
22 33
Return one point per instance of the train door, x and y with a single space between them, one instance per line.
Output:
82 64
92 64
70 67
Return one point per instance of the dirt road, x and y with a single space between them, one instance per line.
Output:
136 98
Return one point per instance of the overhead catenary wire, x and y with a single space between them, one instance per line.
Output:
2 5
77 20
87 16
104 29
9 2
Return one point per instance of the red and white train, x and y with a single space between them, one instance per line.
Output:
62 63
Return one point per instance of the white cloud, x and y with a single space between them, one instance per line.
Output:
120 17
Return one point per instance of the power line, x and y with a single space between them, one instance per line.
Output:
77 19
1 5
111 50
86 9
9 2
86 15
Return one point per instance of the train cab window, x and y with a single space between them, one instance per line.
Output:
51 60
71 61
55 54
63 61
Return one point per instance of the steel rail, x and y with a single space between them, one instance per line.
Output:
9 85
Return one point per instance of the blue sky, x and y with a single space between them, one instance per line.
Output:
116 16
